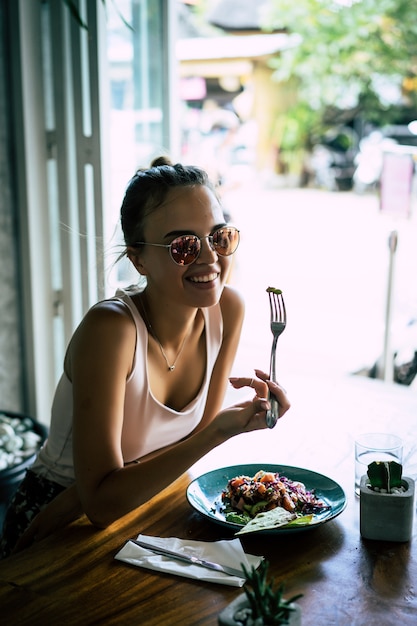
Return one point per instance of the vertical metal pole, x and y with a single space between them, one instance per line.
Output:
388 357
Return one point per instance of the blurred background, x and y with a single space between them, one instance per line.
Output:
305 116
301 120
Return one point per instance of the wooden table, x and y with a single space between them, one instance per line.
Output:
72 577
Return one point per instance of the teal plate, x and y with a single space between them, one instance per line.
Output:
204 494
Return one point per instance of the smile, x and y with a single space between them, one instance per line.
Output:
203 279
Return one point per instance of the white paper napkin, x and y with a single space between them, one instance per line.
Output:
226 552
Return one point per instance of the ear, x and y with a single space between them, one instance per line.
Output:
135 257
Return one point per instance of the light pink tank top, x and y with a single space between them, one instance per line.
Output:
147 424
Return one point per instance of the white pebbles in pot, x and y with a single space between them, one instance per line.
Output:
18 441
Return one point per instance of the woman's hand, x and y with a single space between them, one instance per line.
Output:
251 414
261 385
240 418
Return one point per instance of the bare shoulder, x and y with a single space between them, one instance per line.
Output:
108 314
231 298
106 329
232 306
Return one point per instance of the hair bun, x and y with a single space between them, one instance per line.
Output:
161 160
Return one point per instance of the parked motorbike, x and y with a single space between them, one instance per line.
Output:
332 161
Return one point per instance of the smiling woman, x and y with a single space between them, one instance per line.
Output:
146 371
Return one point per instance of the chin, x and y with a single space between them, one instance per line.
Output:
206 294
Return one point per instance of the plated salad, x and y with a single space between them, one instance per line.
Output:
269 500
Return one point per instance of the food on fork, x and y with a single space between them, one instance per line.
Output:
273 290
246 497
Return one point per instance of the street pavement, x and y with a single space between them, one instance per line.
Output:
329 253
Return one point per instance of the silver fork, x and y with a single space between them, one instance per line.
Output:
278 324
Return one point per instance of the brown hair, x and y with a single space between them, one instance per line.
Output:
147 190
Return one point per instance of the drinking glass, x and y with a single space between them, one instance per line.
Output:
371 447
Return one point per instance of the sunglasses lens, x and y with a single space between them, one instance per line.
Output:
226 240
184 250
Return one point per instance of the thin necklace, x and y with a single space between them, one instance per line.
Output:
153 333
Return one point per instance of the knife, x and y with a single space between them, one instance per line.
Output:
188 558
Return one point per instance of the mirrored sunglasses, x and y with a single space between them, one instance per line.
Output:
186 249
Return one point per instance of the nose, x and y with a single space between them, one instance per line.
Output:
208 250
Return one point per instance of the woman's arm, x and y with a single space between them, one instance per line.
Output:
100 361
67 506
124 489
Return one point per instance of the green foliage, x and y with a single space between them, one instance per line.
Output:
353 54
385 475
267 604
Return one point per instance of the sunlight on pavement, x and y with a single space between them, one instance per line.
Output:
329 254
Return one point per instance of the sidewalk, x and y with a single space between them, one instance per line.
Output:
329 254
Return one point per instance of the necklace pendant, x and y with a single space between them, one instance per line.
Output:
171 368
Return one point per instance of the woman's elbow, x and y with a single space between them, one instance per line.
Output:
102 516
101 520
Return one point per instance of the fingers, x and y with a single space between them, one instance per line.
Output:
257 414
281 395
238 383
262 375
261 385
257 385
261 405
250 415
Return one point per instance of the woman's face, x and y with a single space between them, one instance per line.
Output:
185 211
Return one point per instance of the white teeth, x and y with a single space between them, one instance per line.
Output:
203 279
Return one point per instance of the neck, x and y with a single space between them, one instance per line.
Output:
177 340
169 322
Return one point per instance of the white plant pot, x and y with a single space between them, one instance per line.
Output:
386 516
227 616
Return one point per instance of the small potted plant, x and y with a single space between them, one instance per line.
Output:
386 503
261 604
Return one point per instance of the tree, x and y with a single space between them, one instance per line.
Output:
353 55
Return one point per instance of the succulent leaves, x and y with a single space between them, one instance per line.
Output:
385 475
